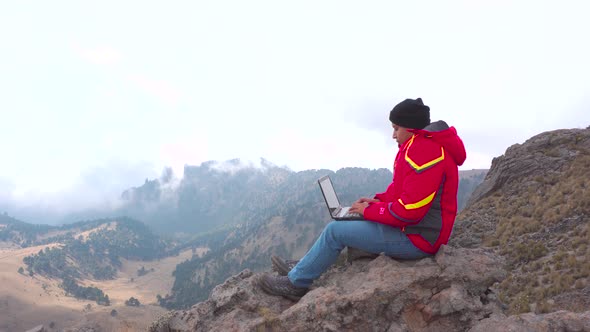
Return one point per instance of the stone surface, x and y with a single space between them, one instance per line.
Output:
532 205
545 153
555 321
449 292
39 328
452 291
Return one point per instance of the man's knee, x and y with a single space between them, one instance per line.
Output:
332 227
330 232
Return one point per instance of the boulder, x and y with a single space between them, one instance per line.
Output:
451 291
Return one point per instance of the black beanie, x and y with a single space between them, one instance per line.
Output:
410 113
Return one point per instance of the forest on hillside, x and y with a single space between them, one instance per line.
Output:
97 256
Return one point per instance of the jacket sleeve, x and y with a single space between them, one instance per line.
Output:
418 192
380 196
385 196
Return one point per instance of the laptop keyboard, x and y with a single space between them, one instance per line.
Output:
351 214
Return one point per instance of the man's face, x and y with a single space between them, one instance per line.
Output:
401 134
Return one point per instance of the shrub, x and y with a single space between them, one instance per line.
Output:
133 302
543 307
142 271
520 305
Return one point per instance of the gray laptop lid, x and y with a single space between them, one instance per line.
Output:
329 194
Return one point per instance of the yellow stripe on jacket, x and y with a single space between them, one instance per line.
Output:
420 168
418 204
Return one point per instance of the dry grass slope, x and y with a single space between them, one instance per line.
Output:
27 301
542 228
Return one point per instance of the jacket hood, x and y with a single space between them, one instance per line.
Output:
446 136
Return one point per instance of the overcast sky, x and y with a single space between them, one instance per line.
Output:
98 96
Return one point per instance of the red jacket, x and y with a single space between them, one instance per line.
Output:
422 199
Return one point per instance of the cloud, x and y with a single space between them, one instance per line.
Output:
6 187
235 165
477 160
104 185
97 188
161 89
185 150
102 55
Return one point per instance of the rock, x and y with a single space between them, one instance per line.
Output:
445 293
85 327
545 153
39 328
532 208
529 322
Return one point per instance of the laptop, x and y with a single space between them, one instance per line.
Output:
337 211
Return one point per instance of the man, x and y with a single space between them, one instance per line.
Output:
410 220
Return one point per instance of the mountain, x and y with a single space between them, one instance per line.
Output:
215 194
206 198
533 208
468 181
19 233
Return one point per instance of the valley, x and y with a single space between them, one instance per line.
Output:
26 301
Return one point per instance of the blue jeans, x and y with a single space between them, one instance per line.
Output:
368 236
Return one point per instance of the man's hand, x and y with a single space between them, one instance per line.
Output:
358 207
367 200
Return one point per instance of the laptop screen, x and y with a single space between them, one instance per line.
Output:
329 193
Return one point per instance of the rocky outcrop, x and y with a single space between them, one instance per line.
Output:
523 172
555 321
449 292
533 209
544 154
454 291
